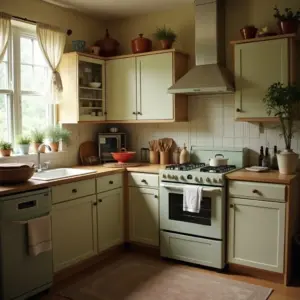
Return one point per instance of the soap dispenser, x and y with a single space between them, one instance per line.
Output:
184 156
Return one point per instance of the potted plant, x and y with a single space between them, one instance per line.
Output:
283 102
37 138
24 143
5 148
57 134
288 21
166 37
248 32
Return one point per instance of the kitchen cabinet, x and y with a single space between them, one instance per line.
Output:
137 85
74 231
258 64
78 101
144 216
110 219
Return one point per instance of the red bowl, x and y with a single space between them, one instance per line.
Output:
122 157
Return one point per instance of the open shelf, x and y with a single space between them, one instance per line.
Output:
95 107
90 88
91 99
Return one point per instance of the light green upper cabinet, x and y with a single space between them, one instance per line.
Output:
259 64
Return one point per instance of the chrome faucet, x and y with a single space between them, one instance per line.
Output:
39 166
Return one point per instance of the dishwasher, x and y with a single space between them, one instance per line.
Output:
22 275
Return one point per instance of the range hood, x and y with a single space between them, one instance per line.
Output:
209 76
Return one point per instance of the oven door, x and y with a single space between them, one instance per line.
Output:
209 222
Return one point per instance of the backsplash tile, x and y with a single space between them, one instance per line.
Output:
211 124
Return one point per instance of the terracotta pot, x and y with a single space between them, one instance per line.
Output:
287 162
95 50
54 147
5 152
36 146
108 45
166 44
248 32
288 26
141 44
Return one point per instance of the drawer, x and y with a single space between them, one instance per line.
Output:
257 191
73 190
143 180
109 182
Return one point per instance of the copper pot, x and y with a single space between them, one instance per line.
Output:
54 147
248 32
288 26
108 45
166 44
141 44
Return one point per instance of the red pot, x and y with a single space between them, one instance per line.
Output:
248 32
141 44
108 46
123 156
288 26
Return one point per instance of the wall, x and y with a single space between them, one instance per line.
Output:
211 118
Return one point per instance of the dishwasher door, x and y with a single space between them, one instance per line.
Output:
23 275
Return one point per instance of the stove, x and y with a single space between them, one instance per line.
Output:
196 173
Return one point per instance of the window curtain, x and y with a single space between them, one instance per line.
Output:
5 28
52 42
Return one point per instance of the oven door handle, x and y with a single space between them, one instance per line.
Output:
174 187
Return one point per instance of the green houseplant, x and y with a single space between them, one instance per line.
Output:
24 143
5 148
166 37
288 21
57 134
37 138
283 102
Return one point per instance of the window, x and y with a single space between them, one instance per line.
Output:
25 86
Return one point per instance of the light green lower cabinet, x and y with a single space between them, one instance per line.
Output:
110 219
74 231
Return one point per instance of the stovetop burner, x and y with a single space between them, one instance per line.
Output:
219 169
185 167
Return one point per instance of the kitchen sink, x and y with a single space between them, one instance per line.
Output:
60 173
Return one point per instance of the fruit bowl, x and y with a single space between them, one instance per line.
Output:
123 156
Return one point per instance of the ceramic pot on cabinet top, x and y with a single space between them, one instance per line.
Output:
141 44
108 45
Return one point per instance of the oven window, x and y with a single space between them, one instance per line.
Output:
176 210
110 145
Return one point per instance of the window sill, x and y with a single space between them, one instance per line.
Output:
30 155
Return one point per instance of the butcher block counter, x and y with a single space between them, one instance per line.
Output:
101 171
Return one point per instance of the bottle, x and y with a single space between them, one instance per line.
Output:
274 162
261 156
184 156
266 162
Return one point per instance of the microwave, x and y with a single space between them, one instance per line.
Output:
110 142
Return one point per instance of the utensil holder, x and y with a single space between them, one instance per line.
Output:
154 157
164 158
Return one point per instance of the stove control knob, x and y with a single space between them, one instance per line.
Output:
175 177
164 176
208 180
169 176
215 180
201 179
189 177
182 178
197 179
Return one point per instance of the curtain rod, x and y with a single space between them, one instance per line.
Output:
69 31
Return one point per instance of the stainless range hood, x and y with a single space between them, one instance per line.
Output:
209 76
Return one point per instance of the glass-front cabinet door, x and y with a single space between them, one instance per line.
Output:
91 85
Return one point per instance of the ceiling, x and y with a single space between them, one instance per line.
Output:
108 9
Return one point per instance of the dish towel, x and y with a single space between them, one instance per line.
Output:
192 197
39 235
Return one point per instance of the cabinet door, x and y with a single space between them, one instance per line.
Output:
143 216
74 231
154 77
256 234
257 66
110 219
121 89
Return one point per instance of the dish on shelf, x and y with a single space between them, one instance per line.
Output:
95 85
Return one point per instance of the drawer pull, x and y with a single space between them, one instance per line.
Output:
74 191
95 204
155 196
100 200
231 205
111 182
256 192
144 181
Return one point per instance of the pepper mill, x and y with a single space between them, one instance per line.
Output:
184 156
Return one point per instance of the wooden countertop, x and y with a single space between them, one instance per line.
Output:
267 177
101 171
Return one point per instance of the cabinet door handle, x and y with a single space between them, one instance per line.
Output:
144 181
95 204
100 200
111 182
238 110
74 191
231 205
139 113
256 192
155 196
134 113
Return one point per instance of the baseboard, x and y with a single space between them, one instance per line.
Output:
256 273
142 248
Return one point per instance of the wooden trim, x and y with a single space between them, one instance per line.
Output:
256 273
267 38
132 121
126 207
88 264
258 120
